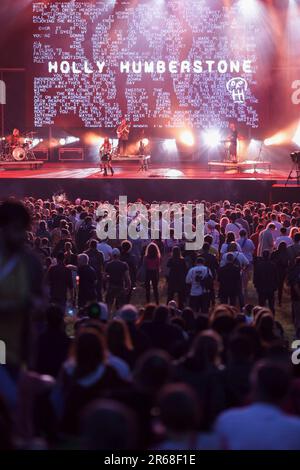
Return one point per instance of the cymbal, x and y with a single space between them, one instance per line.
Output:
31 133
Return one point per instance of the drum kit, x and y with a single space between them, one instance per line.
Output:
17 152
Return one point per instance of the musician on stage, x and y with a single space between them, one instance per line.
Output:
14 138
123 134
233 141
105 157
142 155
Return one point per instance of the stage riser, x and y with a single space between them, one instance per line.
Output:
151 189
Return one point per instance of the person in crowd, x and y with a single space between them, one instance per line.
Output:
84 234
161 333
210 260
179 414
59 278
60 245
294 282
229 277
283 237
128 257
255 240
294 250
240 360
96 260
265 280
281 260
151 263
52 345
266 240
248 248
21 283
262 425
274 220
239 257
233 225
230 238
108 425
87 280
119 341
199 278
212 250
43 231
69 256
105 249
38 250
84 378
210 229
240 219
200 368
118 279
45 247
177 270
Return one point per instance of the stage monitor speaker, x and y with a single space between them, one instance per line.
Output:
70 154
41 153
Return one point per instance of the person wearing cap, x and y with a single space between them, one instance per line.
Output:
117 274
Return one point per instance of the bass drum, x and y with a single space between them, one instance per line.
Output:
19 154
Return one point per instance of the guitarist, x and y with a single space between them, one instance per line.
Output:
105 156
123 134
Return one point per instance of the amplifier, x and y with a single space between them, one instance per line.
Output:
41 153
70 154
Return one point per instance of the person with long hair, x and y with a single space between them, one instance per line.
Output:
230 238
119 341
293 231
151 263
176 276
105 157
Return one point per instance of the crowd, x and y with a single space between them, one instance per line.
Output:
143 343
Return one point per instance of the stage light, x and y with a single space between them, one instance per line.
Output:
34 143
295 157
296 138
254 144
93 139
280 138
62 141
253 148
212 138
249 8
71 140
169 145
187 138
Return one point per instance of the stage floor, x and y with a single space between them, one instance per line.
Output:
171 181
130 170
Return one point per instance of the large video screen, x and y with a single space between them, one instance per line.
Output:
160 63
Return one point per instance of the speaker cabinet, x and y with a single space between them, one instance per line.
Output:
70 154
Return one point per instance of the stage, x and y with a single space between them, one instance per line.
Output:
172 181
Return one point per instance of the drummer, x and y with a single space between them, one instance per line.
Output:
14 139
